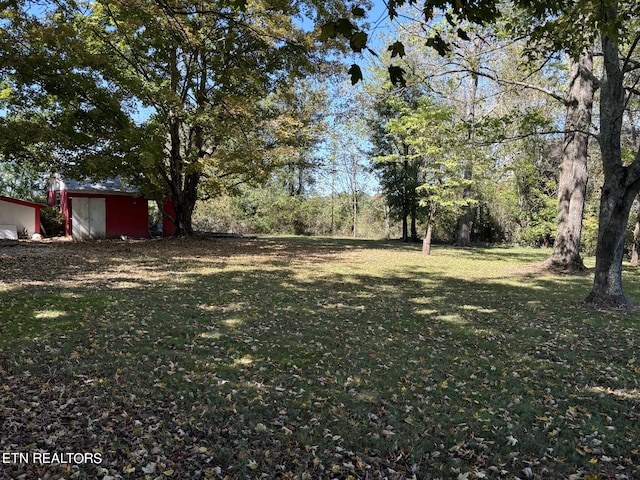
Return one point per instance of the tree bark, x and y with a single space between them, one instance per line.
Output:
636 240
615 206
405 225
183 183
621 183
426 242
574 176
414 214
405 195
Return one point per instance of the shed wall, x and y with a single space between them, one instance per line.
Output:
127 215
22 216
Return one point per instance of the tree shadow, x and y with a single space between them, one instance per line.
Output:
228 341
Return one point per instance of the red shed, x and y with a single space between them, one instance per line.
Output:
93 210
18 217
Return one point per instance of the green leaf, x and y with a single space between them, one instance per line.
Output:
356 74
463 35
358 12
396 49
327 31
240 5
392 7
358 41
345 28
440 45
396 75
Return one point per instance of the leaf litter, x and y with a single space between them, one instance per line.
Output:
298 358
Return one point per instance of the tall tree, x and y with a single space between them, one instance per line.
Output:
456 79
398 170
619 42
54 105
204 71
572 184
430 132
472 58
348 162
174 95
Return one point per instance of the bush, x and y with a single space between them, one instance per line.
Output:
589 237
52 221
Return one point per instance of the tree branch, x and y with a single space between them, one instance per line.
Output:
534 134
516 83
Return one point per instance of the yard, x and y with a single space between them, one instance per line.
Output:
311 358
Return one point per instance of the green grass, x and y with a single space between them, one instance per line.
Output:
314 358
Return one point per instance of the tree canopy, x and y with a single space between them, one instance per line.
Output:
187 99
191 99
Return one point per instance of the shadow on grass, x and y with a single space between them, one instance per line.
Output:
266 356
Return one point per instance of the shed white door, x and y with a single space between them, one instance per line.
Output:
88 218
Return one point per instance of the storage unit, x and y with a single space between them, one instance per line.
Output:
96 210
18 217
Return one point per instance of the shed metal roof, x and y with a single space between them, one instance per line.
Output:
111 185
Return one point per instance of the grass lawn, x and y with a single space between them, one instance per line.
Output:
312 358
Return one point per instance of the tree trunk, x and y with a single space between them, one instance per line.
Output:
387 221
184 188
426 242
184 196
334 173
636 240
465 222
405 225
466 219
615 206
405 196
355 215
636 229
621 183
414 213
573 179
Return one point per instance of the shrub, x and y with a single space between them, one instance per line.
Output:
52 221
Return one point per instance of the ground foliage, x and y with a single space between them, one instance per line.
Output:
311 358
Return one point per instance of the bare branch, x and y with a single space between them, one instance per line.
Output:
535 134
628 59
529 86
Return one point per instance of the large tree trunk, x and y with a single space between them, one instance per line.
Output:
573 179
183 187
185 141
405 224
621 183
615 206
184 193
426 242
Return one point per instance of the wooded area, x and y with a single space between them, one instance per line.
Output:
492 122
